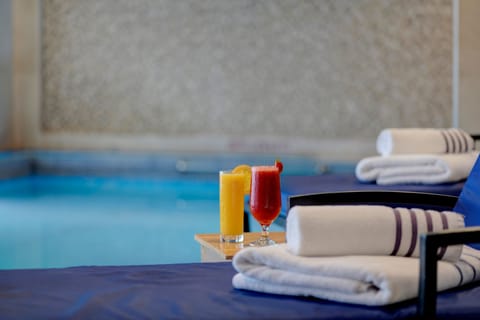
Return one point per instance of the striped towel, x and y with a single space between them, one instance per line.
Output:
366 230
418 140
365 280
416 168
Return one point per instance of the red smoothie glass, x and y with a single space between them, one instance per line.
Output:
265 200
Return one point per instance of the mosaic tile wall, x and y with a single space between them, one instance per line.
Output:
5 71
316 69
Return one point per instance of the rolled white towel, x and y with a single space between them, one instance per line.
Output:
423 140
366 230
416 169
366 280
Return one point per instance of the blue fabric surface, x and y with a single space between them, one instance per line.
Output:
469 200
183 291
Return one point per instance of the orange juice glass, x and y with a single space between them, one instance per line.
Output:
231 206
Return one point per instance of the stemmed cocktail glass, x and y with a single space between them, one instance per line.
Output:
265 199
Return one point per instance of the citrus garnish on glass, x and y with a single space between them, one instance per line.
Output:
246 170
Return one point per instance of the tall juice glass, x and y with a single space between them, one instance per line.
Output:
265 200
231 206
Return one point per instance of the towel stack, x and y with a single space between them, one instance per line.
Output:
355 254
419 156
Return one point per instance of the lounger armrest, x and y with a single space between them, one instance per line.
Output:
475 137
429 244
391 198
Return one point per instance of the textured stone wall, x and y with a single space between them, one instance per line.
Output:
316 69
5 72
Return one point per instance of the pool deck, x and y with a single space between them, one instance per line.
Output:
112 163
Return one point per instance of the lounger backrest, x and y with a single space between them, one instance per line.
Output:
468 202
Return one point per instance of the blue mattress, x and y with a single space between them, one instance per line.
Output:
297 185
183 291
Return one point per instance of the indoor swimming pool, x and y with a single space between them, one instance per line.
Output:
69 219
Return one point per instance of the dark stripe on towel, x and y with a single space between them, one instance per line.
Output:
452 137
471 267
413 241
462 141
458 137
465 141
428 217
460 272
398 232
456 140
447 145
442 250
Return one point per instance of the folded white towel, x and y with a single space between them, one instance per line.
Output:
416 169
366 230
367 280
419 140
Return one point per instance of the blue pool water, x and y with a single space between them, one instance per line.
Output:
52 221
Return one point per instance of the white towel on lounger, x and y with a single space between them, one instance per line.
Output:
423 140
366 280
416 168
366 230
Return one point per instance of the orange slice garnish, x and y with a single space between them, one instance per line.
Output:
247 173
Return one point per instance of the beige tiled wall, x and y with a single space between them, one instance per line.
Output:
469 70
5 71
316 76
